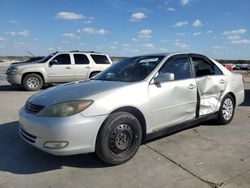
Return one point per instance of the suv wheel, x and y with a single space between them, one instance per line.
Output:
119 138
226 112
32 82
93 74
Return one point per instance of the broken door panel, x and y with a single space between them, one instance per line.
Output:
210 90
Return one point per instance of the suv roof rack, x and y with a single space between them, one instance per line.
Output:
85 51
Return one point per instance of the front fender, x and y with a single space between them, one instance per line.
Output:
41 71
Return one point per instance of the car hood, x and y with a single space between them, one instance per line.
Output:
75 91
22 63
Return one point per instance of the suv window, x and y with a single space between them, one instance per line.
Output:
81 59
62 59
179 66
203 67
100 59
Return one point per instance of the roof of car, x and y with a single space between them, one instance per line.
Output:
171 53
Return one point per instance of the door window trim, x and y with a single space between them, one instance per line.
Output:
151 82
207 60
177 57
61 64
83 55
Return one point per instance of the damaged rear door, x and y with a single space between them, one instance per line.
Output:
211 84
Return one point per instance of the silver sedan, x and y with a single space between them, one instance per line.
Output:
134 100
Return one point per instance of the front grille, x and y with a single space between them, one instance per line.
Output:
33 108
27 136
8 71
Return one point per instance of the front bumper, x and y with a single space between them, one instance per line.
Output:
80 132
14 79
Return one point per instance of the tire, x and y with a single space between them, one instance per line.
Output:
93 74
226 111
32 82
119 138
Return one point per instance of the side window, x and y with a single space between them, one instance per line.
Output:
62 59
81 59
204 68
179 66
100 59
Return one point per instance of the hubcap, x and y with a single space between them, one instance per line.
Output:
121 138
33 82
227 109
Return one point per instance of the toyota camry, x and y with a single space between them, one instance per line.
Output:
136 99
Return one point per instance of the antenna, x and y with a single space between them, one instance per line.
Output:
30 53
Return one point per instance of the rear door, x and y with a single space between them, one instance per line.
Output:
211 84
60 69
81 67
173 102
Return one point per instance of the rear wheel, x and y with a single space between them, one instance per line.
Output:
32 82
93 74
227 109
119 138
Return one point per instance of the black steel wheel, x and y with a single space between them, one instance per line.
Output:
119 138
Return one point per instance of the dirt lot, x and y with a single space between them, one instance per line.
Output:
204 156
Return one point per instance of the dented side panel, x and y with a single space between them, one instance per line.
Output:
172 102
235 84
211 90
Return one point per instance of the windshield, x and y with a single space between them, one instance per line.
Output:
132 69
46 58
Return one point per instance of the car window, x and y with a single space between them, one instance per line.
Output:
62 59
100 59
203 67
179 66
81 59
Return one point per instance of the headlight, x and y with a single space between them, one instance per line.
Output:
65 109
14 70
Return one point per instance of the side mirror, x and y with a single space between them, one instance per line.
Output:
52 62
164 77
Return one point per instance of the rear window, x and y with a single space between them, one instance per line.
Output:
204 67
81 59
100 59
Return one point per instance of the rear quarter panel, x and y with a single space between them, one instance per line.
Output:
237 87
235 84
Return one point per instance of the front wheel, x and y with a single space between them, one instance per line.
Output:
32 82
119 138
227 109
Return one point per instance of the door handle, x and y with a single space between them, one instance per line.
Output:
191 86
87 67
222 81
67 67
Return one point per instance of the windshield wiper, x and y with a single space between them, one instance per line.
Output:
102 79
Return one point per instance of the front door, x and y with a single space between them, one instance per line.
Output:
60 69
173 102
211 84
